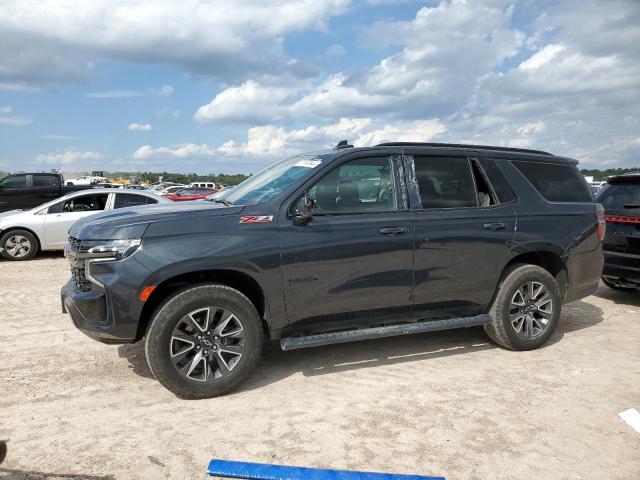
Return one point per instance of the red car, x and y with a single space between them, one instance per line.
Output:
186 194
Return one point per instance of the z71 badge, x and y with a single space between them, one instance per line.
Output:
256 219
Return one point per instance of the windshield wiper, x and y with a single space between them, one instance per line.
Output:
222 200
631 205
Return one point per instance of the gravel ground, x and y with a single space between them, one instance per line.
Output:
448 403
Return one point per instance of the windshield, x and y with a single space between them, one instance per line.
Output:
269 183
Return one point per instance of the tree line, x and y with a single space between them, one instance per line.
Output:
598 174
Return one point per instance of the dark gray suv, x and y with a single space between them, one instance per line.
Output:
335 246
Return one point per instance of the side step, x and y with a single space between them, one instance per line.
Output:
294 343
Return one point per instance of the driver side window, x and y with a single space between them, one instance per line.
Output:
85 203
361 186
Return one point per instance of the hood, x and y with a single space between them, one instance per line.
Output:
132 222
11 212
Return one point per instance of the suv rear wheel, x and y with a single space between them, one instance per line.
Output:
526 309
203 341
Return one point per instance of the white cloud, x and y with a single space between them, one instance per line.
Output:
9 119
335 50
270 141
68 157
51 42
140 127
542 57
249 101
163 91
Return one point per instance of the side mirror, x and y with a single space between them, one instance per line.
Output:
301 211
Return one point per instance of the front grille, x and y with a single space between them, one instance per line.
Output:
80 280
77 267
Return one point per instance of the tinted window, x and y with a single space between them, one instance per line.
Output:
621 196
364 185
85 203
556 183
500 185
46 181
445 182
131 200
15 181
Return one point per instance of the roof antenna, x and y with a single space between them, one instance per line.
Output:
342 144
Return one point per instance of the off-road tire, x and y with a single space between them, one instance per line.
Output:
500 330
170 313
33 245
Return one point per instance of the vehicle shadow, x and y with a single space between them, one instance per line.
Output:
134 353
7 473
276 364
576 316
618 297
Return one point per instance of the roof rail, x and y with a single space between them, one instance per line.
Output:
462 145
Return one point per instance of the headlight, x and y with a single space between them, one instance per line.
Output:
116 249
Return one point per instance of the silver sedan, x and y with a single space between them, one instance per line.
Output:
25 232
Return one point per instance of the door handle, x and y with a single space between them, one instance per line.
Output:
393 230
494 226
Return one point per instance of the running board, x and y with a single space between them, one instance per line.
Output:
294 343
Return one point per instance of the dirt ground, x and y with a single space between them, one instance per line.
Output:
448 403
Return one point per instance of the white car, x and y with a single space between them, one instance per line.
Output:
85 180
25 232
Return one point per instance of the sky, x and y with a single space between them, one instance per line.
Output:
231 86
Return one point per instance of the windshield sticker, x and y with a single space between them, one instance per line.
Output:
308 163
256 219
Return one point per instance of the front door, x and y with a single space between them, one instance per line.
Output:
62 215
463 235
353 263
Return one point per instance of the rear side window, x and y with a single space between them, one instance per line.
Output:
621 196
445 182
46 181
131 200
555 182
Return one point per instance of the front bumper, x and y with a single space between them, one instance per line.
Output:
90 314
624 266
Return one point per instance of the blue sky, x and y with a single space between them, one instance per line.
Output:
232 86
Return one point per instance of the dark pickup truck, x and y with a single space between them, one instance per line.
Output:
27 190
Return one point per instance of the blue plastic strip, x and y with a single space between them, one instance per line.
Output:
261 471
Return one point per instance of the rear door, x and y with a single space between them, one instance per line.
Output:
45 188
462 234
354 261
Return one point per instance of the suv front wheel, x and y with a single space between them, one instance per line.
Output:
526 308
203 341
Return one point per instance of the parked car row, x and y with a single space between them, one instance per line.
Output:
25 232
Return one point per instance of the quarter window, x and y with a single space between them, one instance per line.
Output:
359 186
556 182
445 182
